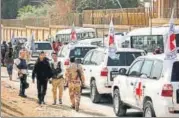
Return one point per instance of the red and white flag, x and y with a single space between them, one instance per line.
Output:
171 49
111 33
73 35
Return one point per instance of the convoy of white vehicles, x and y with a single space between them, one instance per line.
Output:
100 69
133 79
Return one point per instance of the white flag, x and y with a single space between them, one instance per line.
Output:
170 48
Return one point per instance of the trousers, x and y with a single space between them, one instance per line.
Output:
42 88
23 81
57 84
75 93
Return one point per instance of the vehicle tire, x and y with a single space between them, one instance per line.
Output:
118 106
148 109
94 95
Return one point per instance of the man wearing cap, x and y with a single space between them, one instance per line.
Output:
57 78
75 81
42 72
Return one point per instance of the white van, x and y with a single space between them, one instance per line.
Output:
100 69
82 33
150 38
150 85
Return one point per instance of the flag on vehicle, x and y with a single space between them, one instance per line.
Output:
32 42
111 33
112 47
73 35
12 39
171 49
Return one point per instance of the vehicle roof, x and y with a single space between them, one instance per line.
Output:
158 57
77 29
91 40
41 42
163 30
120 49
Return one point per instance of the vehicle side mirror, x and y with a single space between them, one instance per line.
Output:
144 76
122 71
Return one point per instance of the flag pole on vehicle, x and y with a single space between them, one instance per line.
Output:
73 35
32 42
111 41
12 38
170 47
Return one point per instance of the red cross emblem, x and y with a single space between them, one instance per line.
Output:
138 90
111 40
172 39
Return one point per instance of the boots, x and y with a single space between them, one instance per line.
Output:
60 101
10 77
54 102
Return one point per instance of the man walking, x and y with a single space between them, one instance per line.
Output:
57 79
43 73
4 48
75 82
22 73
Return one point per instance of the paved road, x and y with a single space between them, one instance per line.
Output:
102 109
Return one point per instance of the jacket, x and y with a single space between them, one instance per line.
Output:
42 70
57 72
72 75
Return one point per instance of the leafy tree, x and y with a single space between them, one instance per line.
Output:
106 4
10 7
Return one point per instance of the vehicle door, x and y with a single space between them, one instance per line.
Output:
175 84
97 60
86 68
142 85
133 74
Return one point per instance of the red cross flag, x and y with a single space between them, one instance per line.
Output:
111 33
170 49
73 33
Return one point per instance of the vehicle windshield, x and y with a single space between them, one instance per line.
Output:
175 72
80 52
123 58
43 46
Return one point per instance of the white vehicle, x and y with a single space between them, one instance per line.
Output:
150 38
20 40
151 85
39 46
94 41
82 33
100 69
77 50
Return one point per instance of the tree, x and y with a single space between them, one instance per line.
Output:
106 4
10 7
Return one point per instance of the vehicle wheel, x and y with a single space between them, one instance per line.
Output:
95 96
148 109
118 105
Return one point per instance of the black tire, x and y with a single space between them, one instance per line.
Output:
148 109
94 95
118 106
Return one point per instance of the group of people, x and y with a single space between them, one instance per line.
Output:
45 72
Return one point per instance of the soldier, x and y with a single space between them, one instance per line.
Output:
57 78
75 82
4 48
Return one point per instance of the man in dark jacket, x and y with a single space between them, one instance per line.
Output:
4 48
43 73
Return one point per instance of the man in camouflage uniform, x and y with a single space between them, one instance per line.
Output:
75 82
